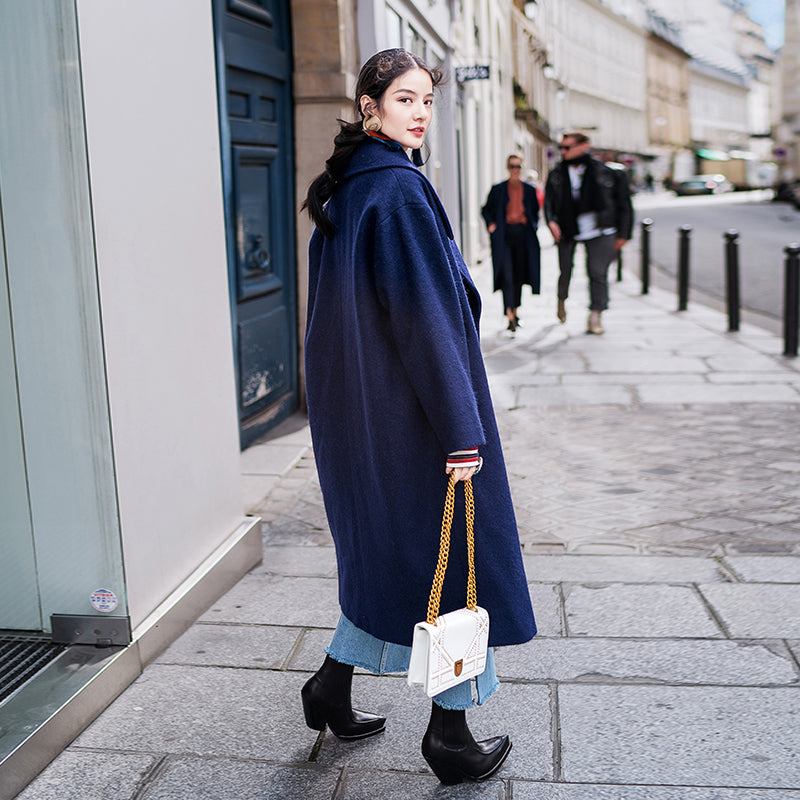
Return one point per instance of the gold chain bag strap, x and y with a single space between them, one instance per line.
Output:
450 649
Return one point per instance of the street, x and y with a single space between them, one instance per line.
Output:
654 474
765 228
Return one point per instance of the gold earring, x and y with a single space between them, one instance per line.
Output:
371 123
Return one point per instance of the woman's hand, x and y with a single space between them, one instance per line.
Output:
492 227
463 463
462 473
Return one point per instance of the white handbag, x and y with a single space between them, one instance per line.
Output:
451 649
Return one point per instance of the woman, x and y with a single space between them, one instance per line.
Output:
511 214
397 400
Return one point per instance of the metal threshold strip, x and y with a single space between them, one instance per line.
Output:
51 707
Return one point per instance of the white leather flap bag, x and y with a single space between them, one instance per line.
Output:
450 649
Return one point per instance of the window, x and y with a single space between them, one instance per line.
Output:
416 43
394 28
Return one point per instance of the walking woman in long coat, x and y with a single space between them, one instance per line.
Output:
397 400
511 214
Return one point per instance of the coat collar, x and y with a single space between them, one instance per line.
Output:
376 154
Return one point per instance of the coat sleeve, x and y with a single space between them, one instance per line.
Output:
622 199
416 285
488 211
550 199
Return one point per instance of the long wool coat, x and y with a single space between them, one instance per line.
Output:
495 212
396 381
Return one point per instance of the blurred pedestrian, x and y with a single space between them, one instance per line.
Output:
511 214
399 404
649 182
587 201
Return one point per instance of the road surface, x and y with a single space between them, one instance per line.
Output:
765 228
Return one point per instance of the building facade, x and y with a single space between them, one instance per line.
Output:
731 75
599 62
751 44
718 106
789 129
668 125
533 90
484 112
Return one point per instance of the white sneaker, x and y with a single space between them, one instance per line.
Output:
594 324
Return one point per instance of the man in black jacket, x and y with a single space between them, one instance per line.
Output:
587 201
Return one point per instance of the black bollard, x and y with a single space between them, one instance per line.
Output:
619 267
732 277
646 225
684 232
791 299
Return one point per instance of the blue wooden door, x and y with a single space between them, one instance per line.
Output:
253 43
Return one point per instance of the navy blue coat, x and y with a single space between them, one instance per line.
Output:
395 380
494 211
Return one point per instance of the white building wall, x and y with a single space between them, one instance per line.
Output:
599 59
759 107
708 29
717 110
154 162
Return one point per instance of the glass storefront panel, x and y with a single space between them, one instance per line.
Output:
54 405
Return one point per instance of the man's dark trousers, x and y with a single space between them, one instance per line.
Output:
600 253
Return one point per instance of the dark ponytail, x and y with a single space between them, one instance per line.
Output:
373 80
350 136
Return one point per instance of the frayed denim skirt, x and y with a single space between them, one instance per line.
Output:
351 645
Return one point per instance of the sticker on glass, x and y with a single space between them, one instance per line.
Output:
103 600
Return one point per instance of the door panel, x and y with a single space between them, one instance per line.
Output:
253 108
264 364
258 250
254 68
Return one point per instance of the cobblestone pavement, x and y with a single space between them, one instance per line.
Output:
656 476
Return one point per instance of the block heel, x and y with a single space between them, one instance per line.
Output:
446 773
315 717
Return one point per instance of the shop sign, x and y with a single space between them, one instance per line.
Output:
478 72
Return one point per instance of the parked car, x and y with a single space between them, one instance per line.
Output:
704 184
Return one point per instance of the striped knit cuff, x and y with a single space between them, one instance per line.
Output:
464 458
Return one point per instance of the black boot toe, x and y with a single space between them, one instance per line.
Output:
493 745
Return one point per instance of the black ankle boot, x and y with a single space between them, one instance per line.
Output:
454 755
326 701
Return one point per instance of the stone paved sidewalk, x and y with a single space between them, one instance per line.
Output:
656 475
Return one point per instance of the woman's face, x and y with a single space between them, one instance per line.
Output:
406 108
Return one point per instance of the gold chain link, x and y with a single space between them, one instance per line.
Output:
472 591
435 600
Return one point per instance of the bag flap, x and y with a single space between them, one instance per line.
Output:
462 631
